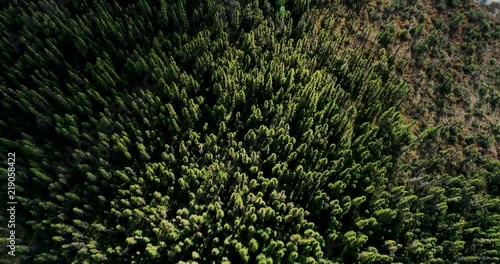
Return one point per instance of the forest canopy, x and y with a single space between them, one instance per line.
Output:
247 132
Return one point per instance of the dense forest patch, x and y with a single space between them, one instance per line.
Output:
252 131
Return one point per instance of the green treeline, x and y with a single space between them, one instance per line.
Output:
223 132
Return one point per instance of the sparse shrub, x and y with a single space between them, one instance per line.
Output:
432 39
485 141
417 30
438 22
404 35
446 86
455 23
485 26
471 68
475 15
441 5
482 91
472 32
419 48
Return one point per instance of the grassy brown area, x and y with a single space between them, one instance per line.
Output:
448 53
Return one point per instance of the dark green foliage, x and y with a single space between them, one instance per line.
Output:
226 132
